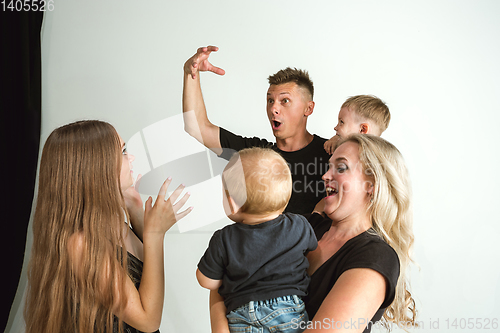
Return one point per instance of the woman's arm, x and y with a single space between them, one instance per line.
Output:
144 306
351 303
218 320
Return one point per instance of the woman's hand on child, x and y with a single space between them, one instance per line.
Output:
330 144
161 216
320 207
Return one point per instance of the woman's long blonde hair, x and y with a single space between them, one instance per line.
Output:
79 192
391 215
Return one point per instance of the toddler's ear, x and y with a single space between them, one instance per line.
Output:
364 128
235 208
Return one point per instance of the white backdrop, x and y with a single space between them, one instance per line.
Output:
435 63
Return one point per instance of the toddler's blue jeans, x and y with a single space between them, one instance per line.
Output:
282 314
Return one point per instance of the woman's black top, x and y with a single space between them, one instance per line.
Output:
134 267
367 250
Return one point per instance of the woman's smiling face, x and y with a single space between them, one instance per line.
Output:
348 189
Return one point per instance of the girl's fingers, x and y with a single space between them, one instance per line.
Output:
182 201
183 213
147 205
163 190
137 180
176 193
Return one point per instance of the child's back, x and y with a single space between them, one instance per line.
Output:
258 264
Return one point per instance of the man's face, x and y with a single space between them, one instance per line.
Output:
288 106
348 123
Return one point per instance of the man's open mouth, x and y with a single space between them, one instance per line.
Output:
276 124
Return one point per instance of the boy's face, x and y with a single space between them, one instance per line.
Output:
348 123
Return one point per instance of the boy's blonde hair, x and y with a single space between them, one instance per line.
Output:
370 108
258 180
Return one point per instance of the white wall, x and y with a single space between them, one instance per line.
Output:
435 63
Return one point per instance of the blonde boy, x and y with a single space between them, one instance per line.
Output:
258 264
363 114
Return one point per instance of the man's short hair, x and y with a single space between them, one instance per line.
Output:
258 180
299 76
371 108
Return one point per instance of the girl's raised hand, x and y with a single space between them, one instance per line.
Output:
161 216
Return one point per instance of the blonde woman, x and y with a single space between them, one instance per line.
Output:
88 271
359 269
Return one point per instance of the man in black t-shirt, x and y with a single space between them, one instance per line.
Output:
289 104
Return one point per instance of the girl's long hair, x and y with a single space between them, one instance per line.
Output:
79 193
391 215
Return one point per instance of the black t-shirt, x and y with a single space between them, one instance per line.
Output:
307 166
262 261
367 250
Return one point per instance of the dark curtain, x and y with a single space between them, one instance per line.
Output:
20 108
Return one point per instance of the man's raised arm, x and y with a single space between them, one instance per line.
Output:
196 121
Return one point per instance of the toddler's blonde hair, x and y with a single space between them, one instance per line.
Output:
258 180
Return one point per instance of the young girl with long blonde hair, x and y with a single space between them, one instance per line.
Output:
88 271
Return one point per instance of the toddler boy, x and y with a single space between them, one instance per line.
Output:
258 264
363 114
